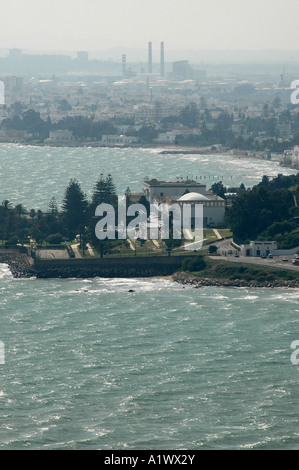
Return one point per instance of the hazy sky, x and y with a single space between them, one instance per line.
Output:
182 24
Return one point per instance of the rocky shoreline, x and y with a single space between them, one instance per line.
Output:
197 282
20 265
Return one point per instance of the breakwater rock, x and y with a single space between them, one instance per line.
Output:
108 267
196 281
46 272
19 264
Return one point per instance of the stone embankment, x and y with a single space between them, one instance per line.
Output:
19 264
83 271
196 281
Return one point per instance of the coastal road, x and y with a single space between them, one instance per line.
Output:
276 262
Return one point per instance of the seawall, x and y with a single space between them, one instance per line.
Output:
20 264
108 267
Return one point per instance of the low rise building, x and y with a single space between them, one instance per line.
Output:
118 140
265 248
61 136
187 192
259 248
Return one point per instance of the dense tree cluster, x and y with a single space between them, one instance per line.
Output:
268 211
76 217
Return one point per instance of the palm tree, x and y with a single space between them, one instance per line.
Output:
20 209
6 207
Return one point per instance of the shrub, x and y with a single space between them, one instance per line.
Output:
55 239
194 264
12 241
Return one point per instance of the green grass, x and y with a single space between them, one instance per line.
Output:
226 270
225 233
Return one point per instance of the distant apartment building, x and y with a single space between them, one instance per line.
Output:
118 140
154 112
61 136
295 157
13 83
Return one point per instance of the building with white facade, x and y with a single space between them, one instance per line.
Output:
61 136
259 248
187 192
118 140
166 138
265 248
154 189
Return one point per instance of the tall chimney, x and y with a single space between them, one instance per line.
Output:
150 58
162 67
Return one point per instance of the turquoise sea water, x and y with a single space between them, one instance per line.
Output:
33 175
90 365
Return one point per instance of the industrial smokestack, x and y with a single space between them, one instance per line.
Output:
162 67
150 58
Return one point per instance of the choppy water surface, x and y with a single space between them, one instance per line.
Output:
33 175
91 366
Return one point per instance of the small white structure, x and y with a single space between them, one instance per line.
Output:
259 248
118 140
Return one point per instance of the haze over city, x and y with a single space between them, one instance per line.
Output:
149 227
192 25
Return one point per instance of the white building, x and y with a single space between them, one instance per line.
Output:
265 248
166 138
118 140
60 136
213 207
259 248
295 157
187 192
154 189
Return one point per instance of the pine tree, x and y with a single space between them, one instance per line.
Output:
52 206
74 209
99 192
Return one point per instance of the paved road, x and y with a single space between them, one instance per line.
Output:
225 245
276 262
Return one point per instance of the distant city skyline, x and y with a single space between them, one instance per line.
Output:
194 25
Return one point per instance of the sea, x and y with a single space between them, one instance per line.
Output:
141 364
